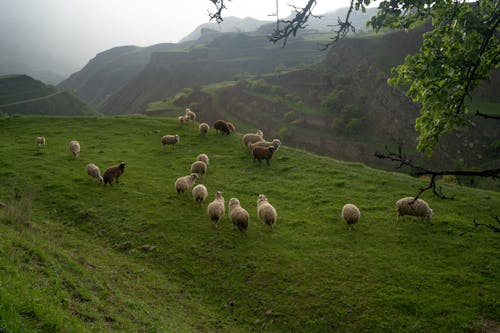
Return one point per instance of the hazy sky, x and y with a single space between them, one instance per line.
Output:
79 29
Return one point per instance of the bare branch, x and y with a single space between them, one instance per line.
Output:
416 170
487 116
489 226
344 27
219 6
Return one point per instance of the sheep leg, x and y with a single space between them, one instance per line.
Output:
267 161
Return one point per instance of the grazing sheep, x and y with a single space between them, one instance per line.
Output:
200 193
238 215
190 114
231 126
40 141
276 143
410 206
113 172
263 153
183 120
74 148
222 126
250 138
199 167
94 172
350 214
215 209
182 184
265 211
203 158
203 128
170 140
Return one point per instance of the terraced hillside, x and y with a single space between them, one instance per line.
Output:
76 256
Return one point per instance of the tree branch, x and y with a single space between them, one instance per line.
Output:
400 157
487 116
219 6
489 226
344 27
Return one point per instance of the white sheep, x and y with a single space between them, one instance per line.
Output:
350 214
74 148
203 128
199 167
276 143
94 172
203 158
200 194
238 215
250 138
410 206
183 120
190 114
215 209
170 140
265 211
182 184
40 141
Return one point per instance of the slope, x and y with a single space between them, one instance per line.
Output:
78 256
20 94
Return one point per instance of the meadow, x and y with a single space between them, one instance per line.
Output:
78 256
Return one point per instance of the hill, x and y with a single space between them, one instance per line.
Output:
77 256
21 94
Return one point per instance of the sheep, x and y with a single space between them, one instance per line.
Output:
263 153
250 138
182 184
276 143
410 206
74 148
203 158
113 172
265 211
183 120
199 167
190 114
40 141
231 126
222 126
350 214
94 172
200 193
170 140
238 215
203 128
215 209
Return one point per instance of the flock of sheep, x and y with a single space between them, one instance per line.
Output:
239 217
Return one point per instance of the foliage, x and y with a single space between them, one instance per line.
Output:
457 55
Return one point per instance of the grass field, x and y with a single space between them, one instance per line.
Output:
76 256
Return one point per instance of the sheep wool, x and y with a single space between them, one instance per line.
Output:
40 141
203 158
238 215
170 140
265 211
215 209
412 207
74 148
199 167
222 126
350 214
200 194
113 173
203 128
250 138
94 172
182 184
262 153
190 114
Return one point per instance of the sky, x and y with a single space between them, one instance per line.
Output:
79 29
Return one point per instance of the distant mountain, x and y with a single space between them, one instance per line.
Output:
230 24
33 62
21 94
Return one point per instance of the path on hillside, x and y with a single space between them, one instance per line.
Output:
31 100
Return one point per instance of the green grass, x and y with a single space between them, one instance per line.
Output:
137 257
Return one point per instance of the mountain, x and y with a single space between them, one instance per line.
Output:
78 256
21 94
35 63
230 24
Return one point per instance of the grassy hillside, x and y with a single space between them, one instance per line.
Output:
21 94
78 256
